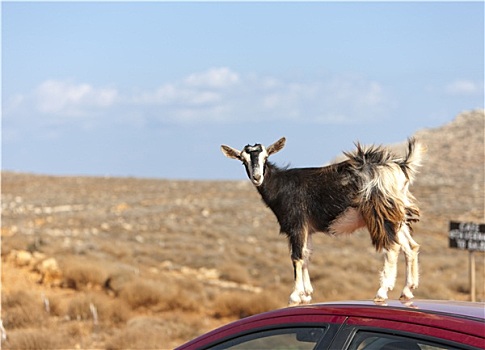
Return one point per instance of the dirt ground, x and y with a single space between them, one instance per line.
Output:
99 262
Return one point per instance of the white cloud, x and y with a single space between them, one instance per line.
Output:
67 98
339 99
219 78
464 87
212 96
172 94
14 103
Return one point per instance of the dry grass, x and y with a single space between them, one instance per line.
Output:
148 332
98 308
160 295
239 304
80 308
83 274
235 273
33 339
115 312
21 309
140 333
140 293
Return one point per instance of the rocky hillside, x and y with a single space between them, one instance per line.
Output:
451 184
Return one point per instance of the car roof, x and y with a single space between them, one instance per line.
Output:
465 309
424 312
464 317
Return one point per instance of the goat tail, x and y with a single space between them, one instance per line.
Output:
412 159
383 198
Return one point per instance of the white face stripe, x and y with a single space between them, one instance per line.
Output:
254 158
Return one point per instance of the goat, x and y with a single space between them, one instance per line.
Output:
370 189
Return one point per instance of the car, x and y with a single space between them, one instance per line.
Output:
355 325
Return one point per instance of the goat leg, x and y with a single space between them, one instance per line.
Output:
297 297
389 272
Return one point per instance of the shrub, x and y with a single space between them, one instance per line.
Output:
140 333
79 308
22 309
239 304
115 311
56 306
79 274
107 310
26 339
146 332
181 300
235 273
140 293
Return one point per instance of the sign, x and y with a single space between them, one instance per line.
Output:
467 236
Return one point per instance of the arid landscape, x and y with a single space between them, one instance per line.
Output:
129 263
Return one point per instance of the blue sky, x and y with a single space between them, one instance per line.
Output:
152 89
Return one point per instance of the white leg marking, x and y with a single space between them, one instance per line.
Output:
389 272
415 264
298 289
410 249
303 290
307 285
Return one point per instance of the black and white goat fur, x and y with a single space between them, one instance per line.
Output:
370 189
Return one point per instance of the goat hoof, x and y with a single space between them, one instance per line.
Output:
381 295
379 300
406 294
406 297
294 300
306 299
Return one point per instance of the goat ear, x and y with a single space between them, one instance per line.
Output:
277 146
230 152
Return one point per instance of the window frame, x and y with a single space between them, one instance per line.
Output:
348 333
330 330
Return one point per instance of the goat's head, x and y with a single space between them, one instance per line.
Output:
254 158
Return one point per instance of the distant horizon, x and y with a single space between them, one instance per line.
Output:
152 89
335 158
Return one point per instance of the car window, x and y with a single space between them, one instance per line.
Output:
365 340
300 338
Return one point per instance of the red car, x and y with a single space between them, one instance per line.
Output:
420 325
